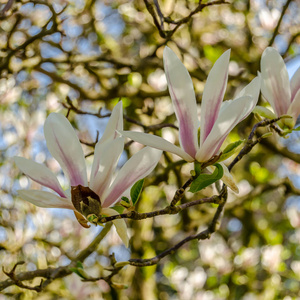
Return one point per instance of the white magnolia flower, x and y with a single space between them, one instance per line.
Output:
282 94
217 118
104 189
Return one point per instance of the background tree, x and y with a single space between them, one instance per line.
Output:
80 58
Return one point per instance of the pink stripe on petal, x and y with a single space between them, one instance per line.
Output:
121 186
232 114
70 165
115 122
280 106
109 153
157 142
45 199
65 147
275 84
39 173
213 95
294 109
295 84
137 167
183 97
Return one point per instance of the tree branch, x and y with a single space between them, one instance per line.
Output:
52 273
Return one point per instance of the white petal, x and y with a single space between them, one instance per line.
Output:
213 95
275 85
114 123
45 199
183 96
232 114
294 109
295 84
251 89
65 147
137 167
108 154
120 225
156 142
39 173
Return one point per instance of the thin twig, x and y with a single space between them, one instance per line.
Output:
276 30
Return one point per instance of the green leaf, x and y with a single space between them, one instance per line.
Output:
204 180
136 190
230 150
118 208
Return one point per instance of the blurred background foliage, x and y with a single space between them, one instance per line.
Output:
89 54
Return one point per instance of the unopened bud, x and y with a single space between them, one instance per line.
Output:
121 264
266 135
119 286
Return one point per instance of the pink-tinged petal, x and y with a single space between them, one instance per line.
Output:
275 85
39 173
156 142
295 84
213 95
252 89
232 114
183 96
65 147
294 109
108 154
114 123
137 167
45 199
120 225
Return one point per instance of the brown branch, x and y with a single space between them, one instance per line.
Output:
250 143
51 274
11 274
7 7
186 19
169 210
156 23
291 41
70 106
44 32
277 148
167 34
214 225
276 30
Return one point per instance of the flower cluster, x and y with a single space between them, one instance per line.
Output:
106 186
104 189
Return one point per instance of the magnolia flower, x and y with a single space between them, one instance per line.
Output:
104 189
282 94
217 118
